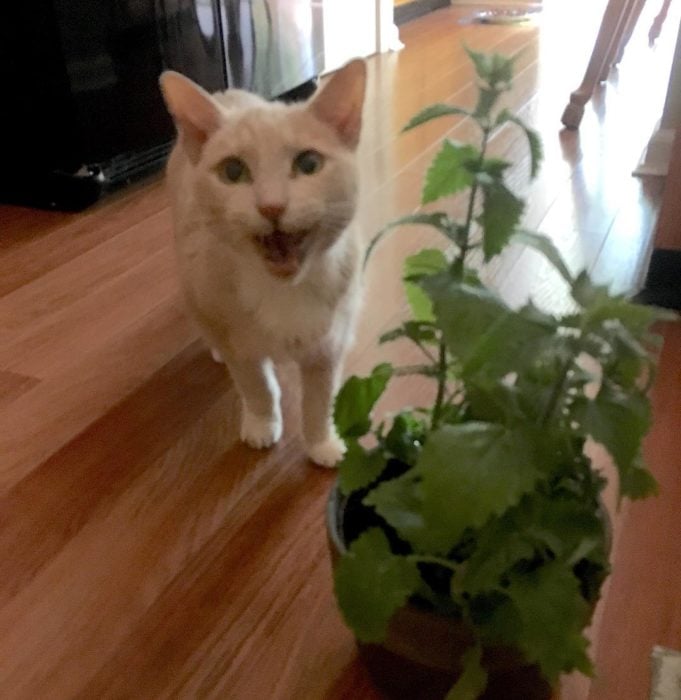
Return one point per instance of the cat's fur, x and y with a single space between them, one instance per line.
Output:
270 266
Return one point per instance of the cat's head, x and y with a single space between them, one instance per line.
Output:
276 182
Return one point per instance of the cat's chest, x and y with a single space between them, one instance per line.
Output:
293 315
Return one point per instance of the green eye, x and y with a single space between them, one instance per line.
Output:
308 162
235 170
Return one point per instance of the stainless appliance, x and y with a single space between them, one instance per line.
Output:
82 113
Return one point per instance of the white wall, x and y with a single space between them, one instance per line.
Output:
354 28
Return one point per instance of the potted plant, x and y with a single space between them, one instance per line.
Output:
468 536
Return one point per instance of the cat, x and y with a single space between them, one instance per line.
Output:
263 196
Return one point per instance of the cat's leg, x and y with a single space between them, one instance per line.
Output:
320 379
261 422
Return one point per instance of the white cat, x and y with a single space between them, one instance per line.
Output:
263 197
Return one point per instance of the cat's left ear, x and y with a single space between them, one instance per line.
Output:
194 111
339 103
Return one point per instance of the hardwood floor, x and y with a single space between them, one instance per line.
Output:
145 553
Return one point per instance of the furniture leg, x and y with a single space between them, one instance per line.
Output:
633 15
612 18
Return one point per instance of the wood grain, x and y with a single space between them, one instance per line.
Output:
13 385
146 553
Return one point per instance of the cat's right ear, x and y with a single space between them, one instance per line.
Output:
340 101
195 113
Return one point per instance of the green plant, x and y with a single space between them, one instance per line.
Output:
484 505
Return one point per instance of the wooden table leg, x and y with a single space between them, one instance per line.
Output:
613 19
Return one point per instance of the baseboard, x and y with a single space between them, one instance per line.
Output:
417 8
666 681
658 153
663 280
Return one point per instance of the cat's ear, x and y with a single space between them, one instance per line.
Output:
339 103
194 111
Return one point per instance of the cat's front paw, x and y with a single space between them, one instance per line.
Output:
260 431
327 453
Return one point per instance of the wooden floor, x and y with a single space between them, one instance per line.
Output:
145 553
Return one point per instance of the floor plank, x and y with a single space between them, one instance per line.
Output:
85 275
34 242
44 419
13 385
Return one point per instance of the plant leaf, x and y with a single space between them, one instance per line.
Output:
546 247
371 583
544 617
497 551
487 98
626 362
533 140
473 680
359 467
482 63
399 502
511 343
570 527
636 318
567 526
493 402
482 331
471 472
464 312
447 173
433 112
618 421
419 302
494 167
405 437
356 399
425 263
638 482
586 293
493 68
500 215
438 220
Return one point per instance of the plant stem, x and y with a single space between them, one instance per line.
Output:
406 370
464 245
559 387
441 383
458 268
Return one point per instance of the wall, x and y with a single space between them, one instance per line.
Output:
355 28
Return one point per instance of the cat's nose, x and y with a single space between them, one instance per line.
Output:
271 211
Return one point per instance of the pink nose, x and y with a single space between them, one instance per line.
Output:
272 212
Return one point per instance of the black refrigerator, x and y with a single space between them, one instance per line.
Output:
80 110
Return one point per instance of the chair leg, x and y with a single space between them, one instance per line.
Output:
628 29
614 16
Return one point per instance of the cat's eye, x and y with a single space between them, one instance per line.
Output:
235 170
308 162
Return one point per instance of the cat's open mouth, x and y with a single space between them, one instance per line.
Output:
283 252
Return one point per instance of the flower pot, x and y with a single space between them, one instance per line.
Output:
420 657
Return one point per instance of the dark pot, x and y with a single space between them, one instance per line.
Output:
420 657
